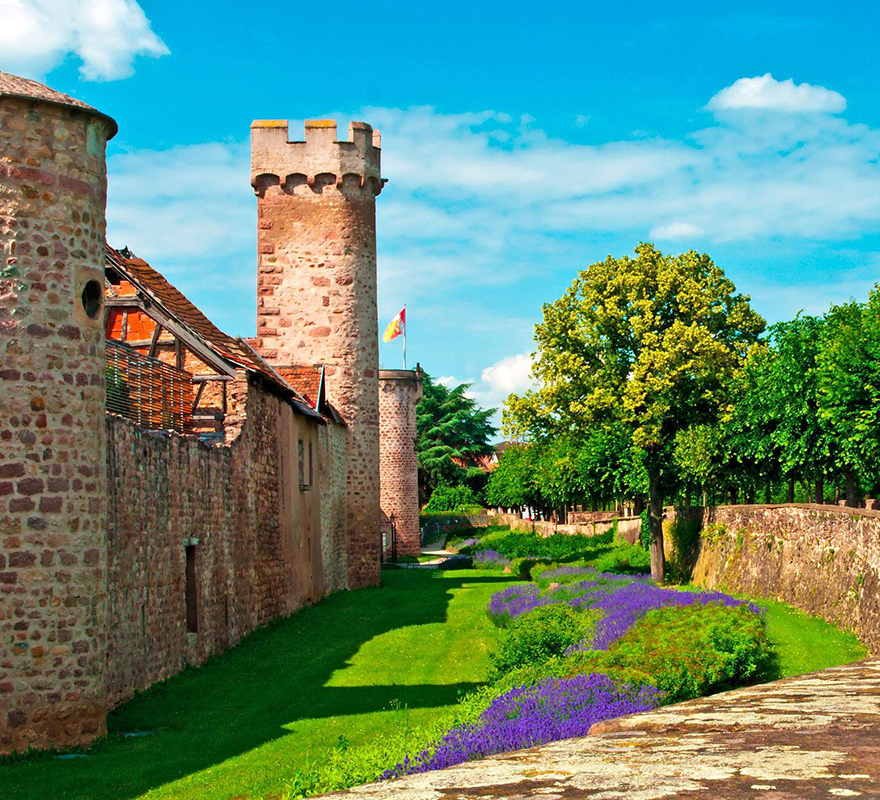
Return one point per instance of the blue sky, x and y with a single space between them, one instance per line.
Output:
522 142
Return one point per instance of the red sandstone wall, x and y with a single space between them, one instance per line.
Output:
259 547
821 559
316 289
399 391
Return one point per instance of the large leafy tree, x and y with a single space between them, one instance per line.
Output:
651 343
512 482
453 434
848 386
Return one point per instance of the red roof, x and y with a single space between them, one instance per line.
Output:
175 303
306 380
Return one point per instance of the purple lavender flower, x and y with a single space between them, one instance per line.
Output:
526 716
564 571
625 606
467 543
491 559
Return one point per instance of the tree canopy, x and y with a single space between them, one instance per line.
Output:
453 435
648 346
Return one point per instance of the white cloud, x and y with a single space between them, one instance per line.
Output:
676 231
106 35
511 374
765 92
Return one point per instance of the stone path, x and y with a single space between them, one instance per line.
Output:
815 736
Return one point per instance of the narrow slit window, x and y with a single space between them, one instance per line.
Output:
192 595
300 450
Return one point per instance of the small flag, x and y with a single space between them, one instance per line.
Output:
396 327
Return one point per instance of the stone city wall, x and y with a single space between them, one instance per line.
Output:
229 530
824 560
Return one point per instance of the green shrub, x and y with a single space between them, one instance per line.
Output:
690 651
545 632
630 559
523 567
454 499
558 547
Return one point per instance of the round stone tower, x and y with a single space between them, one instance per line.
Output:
53 190
317 291
399 392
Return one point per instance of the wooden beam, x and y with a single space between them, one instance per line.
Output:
125 325
224 401
178 354
154 342
206 378
198 397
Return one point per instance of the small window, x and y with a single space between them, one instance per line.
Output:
305 466
91 298
192 594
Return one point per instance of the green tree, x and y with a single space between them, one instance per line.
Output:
651 343
511 484
453 434
848 384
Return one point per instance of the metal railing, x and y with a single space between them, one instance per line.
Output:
148 391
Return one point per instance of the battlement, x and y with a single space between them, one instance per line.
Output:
277 160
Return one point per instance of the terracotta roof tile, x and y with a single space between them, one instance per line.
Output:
304 379
176 303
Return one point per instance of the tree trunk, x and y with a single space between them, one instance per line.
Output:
768 491
687 496
750 495
820 490
789 498
655 522
850 488
638 504
734 495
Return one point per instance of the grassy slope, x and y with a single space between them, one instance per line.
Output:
804 643
239 725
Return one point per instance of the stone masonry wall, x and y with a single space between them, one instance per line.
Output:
317 292
822 559
254 529
399 391
52 444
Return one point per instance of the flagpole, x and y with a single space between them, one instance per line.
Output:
405 322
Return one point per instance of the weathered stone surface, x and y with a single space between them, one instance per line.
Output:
822 559
815 736
257 536
316 285
52 445
399 391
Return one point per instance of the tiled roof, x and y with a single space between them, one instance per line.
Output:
175 303
305 379
15 86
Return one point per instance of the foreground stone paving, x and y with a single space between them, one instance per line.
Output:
814 736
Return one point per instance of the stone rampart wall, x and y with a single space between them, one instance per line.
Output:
824 560
233 522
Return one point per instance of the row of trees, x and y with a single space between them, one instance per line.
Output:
657 380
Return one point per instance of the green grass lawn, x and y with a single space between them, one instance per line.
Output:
239 725
804 643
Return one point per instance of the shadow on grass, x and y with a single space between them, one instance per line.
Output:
252 694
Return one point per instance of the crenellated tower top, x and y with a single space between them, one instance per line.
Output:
318 161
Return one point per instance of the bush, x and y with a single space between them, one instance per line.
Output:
694 650
631 559
454 499
558 547
541 634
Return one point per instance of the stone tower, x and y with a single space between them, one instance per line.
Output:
53 533
317 290
399 391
